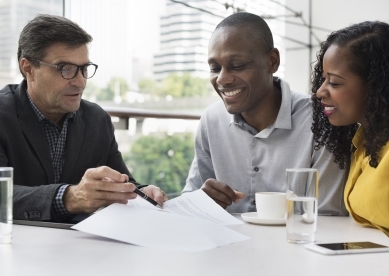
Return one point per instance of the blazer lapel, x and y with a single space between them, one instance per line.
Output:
33 131
74 140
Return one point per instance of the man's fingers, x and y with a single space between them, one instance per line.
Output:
94 205
222 187
105 172
115 201
112 196
222 204
155 193
113 186
219 191
98 187
103 199
218 196
239 195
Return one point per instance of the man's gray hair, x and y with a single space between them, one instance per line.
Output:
45 30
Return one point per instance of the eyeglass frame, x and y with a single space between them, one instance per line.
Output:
60 66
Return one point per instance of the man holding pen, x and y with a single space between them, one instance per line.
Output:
62 148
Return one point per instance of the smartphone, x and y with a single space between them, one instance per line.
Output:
347 248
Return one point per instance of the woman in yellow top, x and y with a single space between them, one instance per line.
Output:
350 86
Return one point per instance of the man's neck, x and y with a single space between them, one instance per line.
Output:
56 118
266 114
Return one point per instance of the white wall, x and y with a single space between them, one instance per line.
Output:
328 14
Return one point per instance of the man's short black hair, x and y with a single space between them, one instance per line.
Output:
259 28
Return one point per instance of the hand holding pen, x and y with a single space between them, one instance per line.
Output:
148 198
150 193
99 187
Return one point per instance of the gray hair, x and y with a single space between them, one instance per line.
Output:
45 30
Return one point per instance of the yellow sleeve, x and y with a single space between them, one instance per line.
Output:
367 191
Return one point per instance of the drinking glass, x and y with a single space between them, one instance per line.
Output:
6 192
301 198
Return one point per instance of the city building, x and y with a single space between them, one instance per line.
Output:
14 14
186 28
109 23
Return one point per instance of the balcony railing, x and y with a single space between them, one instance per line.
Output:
124 113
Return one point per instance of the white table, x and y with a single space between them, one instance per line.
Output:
47 251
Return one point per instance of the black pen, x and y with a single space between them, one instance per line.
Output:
149 199
138 192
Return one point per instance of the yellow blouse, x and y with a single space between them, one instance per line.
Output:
367 189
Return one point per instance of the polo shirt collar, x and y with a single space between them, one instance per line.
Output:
284 117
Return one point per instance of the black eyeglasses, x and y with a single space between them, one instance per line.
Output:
69 71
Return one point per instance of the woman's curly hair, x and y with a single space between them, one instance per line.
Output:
368 45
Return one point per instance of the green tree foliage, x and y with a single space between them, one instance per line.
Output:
185 85
149 86
162 161
115 84
177 85
91 91
173 85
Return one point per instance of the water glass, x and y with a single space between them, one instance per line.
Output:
6 193
301 196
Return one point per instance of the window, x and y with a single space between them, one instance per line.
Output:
14 15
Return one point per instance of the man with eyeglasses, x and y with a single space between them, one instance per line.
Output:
62 148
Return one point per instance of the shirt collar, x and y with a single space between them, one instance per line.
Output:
284 117
358 138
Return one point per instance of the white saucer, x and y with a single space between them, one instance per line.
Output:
252 217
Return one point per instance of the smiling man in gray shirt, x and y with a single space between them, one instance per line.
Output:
245 142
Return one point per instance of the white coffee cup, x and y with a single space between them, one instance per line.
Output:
270 204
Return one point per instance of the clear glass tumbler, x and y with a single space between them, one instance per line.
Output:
301 198
6 193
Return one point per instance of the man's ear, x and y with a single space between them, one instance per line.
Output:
274 60
27 68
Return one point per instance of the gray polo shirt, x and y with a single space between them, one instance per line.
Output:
231 151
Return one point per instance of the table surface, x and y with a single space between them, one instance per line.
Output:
49 251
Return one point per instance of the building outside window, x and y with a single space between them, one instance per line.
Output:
14 14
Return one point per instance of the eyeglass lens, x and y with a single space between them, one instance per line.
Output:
69 71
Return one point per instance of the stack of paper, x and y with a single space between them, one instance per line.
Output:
189 223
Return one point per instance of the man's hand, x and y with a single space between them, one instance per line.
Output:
221 192
99 187
155 193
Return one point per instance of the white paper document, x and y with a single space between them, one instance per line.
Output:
195 204
189 223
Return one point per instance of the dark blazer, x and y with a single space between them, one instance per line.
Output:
90 143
